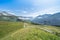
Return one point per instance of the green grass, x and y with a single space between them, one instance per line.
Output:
55 30
9 27
16 31
31 34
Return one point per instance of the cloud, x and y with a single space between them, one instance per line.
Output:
37 5
33 7
43 2
51 10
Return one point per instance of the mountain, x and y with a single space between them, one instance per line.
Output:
55 19
48 19
41 18
4 13
44 16
6 16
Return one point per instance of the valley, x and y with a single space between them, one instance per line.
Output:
29 19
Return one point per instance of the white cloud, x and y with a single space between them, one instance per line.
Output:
24 11
43 2
39 2
51 10
49 5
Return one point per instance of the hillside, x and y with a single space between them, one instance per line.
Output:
26 31
6 16
31 34
48 19
9 27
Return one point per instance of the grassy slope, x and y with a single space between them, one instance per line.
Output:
31 34
51 29
9 27
15 31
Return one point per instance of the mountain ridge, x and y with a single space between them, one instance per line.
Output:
48 19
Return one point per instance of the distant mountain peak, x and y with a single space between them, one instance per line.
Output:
5 13
48 19
58 13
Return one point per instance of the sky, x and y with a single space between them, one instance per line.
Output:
31 8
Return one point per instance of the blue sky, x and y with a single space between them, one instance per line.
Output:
30 7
